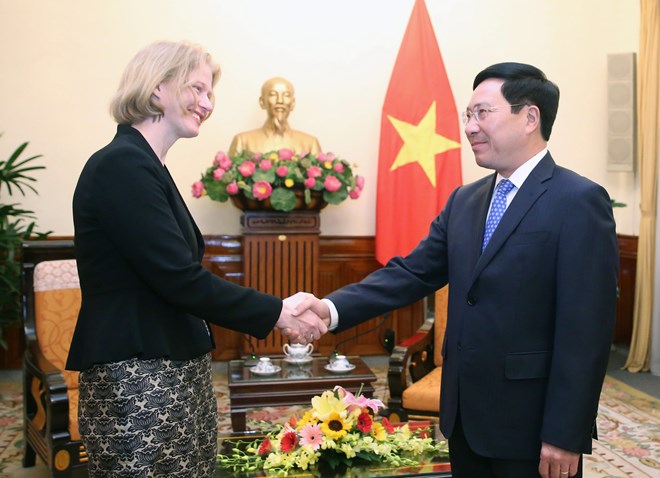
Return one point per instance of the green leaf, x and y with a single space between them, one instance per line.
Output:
335 197
217 191
261 175
283 199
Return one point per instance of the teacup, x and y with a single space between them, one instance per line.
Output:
340 363
264 365
297 351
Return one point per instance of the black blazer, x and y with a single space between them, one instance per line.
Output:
145 293
530 321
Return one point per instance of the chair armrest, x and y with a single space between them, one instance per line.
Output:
52 389
410 361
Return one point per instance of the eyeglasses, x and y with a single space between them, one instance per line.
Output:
480 113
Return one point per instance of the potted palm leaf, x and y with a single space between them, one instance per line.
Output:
16 225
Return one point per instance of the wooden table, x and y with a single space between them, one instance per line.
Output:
294 384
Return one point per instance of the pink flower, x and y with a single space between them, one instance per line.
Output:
265 164
364 422
198 189
321 157
247 169
332 184
359 182
359 401
282 171
355 193
262 189
232 189
285 153
314 172
330 156
265 447
256 157
289 441
339 168
310 183
219 158
311 435
218 174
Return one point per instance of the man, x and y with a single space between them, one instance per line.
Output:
531 311
278 99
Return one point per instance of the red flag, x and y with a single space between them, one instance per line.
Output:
419 162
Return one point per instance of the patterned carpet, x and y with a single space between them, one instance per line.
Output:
628 423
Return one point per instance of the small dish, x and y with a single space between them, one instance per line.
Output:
302 360
339 370
276 368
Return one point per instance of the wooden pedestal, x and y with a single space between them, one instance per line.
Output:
281 257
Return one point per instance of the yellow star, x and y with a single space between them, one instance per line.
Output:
421 143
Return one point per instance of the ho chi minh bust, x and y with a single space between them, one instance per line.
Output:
278 99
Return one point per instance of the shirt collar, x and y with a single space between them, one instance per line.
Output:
519 175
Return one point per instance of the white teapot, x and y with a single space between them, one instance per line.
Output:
298 351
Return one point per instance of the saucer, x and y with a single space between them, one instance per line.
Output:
339 370
276 368
302 360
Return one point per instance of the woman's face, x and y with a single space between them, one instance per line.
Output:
184 115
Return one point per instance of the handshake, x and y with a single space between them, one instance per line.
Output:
304 318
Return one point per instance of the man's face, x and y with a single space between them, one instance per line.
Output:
497 138
277 98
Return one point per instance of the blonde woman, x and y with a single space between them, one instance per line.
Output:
142 341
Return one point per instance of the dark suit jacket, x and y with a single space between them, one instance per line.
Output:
530 321
144 291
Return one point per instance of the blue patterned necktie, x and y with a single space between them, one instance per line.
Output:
497 209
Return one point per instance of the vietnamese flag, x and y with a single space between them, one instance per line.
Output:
419 161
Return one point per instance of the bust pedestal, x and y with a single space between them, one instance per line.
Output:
281 257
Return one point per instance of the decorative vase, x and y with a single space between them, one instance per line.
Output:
246 204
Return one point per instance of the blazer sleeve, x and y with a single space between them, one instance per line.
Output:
132 207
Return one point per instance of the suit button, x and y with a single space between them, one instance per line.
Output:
471 300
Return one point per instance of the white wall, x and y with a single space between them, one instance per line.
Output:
61 62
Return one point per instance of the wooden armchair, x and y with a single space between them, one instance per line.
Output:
415 368
51 301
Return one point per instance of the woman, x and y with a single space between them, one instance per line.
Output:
142 341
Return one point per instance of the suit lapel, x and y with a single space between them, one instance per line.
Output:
533 187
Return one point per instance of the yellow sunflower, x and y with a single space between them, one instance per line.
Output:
335 427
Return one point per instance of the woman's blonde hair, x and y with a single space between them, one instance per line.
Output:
154 64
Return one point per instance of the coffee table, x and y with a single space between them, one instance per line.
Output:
294 384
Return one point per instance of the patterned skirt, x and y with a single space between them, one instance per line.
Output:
149 418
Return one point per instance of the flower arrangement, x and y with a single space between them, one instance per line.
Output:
339 430
276 176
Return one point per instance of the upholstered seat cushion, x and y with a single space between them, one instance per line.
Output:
57 303
424 394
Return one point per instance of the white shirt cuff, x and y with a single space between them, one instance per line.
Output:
334 315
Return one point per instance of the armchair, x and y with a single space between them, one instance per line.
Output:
51 301
415 368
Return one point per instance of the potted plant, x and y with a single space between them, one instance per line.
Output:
16 225
279 180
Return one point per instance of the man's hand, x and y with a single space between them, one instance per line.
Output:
303 301
303 327
557 462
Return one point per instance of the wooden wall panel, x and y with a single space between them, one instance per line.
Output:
626 303
342 260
